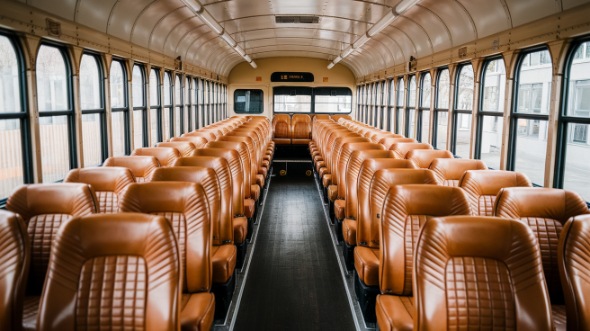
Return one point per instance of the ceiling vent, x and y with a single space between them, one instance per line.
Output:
295 19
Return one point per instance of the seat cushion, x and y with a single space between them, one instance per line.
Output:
260 180
395 312
559 317
249 208
197 311
325 176
223 258
366 264
240 229
349 231
339 208
332 192
255 192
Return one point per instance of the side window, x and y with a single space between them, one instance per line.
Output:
248 101
424 110
441 118
574 138
13 120
56 115
93 112
463 112
490 115
119 110
139 107
530 116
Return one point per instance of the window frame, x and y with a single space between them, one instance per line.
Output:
563 119
70 112
125 108
515 115
23 115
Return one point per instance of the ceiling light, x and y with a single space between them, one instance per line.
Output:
240 50
381 24
331 65
210 21
405 5
360 42
346 52
195 6
228 39
253 64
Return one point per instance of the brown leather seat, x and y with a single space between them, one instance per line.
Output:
402 148
16 255
165 155
186 148
209 136
545 210
186 206
391 140
142 167
422 158
254 179
198 142
300 129
482 186
281 128
112 270
573 259
44 208
405 210
240 205
108 183
345 155
337 117
473 273
449 171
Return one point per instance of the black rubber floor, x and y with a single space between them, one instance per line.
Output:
294 281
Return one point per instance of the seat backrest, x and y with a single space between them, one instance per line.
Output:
186 148
336 152
223 172
207 178
402 148
344 157
545 210
237 174
479 273
365 178
14 267
336 117
242 149
207 135
383 180
301 126
352 175
165 155
388 141
142 167
185 206
281 126
250 151
573 257
198 142
422 158
126 263
449 171
405 210
44 208
379 136
482 186
108 183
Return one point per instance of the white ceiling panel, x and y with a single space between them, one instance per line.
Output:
525 11
430 26
92 13
489 16
123 17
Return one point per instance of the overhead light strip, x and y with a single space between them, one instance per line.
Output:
381 24
199 10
